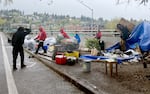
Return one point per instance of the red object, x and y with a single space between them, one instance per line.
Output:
61 59
98 35
64 33
42 34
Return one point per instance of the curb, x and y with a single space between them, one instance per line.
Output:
87 88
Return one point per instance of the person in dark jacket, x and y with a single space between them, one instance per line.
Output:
124 35
102 44
17 43
124 31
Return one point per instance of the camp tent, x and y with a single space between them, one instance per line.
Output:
140 36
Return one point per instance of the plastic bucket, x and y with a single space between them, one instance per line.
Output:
86 66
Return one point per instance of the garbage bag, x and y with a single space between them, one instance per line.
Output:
49 41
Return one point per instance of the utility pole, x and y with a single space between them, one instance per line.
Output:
92 22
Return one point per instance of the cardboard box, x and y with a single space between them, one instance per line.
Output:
126 23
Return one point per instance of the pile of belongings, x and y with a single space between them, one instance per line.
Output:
138 38
31 44
129 56
68 43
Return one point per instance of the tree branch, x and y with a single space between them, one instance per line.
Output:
144 2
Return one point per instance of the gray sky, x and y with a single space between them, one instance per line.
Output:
108 9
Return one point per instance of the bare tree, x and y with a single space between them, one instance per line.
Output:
144 2
6 2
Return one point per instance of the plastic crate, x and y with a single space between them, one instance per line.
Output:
73 54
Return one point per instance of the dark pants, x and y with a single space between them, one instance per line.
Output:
40 45
15 52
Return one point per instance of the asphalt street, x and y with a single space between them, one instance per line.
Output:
36 78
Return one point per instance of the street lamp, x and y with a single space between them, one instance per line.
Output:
81 2
50 3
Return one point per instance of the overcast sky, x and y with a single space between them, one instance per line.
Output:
108 9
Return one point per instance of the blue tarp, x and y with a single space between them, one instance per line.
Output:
89 57
119 60
140 36
115 46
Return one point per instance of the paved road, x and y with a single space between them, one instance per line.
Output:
36 78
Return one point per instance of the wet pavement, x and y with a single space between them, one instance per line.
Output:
43 75
3 83
97 81
36 78
39 79
74 74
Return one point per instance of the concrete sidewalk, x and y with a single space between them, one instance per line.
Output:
94 82
74 74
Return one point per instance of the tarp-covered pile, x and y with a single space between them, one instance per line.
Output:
63 39
140 36
67 43
31 44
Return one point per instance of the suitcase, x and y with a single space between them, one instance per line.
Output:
60 59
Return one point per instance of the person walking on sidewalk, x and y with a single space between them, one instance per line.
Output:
17 42
41 38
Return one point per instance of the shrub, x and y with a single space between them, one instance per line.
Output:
92 43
